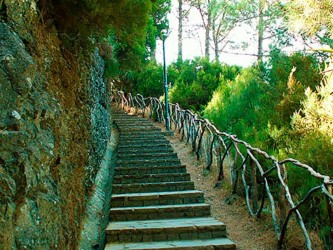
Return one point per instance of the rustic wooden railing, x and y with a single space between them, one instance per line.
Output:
260 172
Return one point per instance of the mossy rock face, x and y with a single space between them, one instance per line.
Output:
18 65
22 16
27 143
53 135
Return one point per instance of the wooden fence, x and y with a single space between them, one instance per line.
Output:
252 171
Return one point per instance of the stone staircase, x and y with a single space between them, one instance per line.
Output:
154 204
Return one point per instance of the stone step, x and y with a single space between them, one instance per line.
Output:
125 117
143 150
141 140
148 137
156 156
130 120
150 178
124 129
141 132
146 155
157 198
162 230
170 161
160 212
133 124
138 140
139 128
143 144
152 187
146 145
149 170
203 244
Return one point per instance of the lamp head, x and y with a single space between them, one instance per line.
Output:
165 33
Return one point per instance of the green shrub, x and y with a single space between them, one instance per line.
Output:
150 80
236 106
196 80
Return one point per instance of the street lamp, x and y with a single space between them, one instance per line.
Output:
165 82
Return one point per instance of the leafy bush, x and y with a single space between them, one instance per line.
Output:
286 90
236 106
197 80
150 80
313 126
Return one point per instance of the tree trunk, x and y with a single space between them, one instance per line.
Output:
209 23
216 43
180 30
260 29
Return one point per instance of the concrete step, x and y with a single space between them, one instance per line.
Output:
137 128
145 144
127 129
203 244
157 198
152 187
143 133
150 144
162 230
146 155
132 122
159 212
125 117
149 170
150 178
141 141
140 150
170 161
131 119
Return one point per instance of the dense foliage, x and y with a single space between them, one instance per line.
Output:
258 105
150 80
129 28
194 81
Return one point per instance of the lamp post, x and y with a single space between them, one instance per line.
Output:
166 88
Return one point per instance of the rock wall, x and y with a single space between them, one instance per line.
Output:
54 130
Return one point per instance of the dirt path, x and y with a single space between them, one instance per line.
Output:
247 232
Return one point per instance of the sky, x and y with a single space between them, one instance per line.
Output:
194 46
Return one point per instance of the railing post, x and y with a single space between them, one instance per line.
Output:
330 213
253 170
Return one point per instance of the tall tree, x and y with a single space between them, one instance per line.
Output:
266 16
157 24
208 27
184 9
204 8
225 17
180 30
261 28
